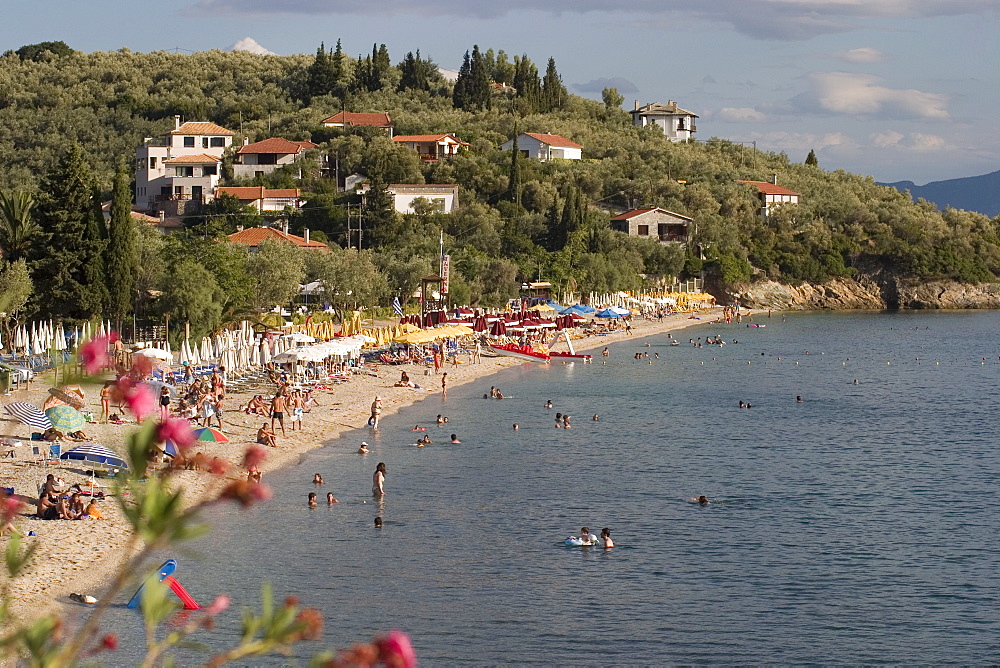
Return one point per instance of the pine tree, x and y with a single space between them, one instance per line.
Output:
514 179
526 82
123 257
811 159
480 91
461 96
415 72
340 72
553 90
320 77
66 245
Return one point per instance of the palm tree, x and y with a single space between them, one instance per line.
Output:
17 228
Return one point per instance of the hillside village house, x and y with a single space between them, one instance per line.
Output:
161 223
677 124
444 197
181 165
348 119
255 236
263 157
665 226
261 198
432 147
545 147
771 194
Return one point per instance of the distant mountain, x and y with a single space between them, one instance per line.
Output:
973 193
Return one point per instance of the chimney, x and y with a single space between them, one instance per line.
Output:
671 105
774 179
239 228
637 105
284 226
177 121
306 235
246 141
163 217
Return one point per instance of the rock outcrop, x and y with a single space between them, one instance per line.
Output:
866 292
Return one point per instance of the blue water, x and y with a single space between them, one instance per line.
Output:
859 526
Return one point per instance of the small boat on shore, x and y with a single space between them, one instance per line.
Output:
522 352
571 356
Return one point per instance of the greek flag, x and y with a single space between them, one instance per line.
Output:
396 306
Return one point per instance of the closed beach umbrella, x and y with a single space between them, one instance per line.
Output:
29 414
94 452
65 418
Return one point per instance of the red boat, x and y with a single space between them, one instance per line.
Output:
523 352
571 356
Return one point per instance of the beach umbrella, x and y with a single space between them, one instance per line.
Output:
608 313
96 453
29 414
155 353
298 337
60 344
71 396
65 418
210 434
206 350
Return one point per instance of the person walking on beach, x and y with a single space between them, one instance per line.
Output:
376 412
164 403
378 480
217 407
278 407
297 407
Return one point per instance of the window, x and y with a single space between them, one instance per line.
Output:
209 170
152 163
189 142
267 159
524 152
196 191
218 142
438 204
178 190
184 171
204 142
643 230
165 191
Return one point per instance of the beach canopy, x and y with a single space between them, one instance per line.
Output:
94 452
65 418
156 353
29 414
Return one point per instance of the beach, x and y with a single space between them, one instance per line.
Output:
80 556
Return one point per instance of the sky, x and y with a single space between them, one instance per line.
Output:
898 89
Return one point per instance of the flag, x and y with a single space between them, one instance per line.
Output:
396 306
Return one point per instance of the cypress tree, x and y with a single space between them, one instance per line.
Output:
122 254
480 91
320 77
66 242
526 82
553 90
461 95
514 179
811 159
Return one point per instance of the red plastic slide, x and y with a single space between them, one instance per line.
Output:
175 586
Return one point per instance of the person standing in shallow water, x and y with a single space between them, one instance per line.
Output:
378 480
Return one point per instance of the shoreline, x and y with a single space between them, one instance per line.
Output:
80 556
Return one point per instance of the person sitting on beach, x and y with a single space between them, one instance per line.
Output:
93 512
308 401
454 439
46 508
256 406
63 508
363 450
266 436
53 435
254 474
606 538
702 500
312 499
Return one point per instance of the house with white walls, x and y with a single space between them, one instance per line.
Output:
263 199
442 196
654 223
182 165
677 124
544 147
263 157
432 148
770 194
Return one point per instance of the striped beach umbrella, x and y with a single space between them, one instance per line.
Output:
96 453
29 414
210 434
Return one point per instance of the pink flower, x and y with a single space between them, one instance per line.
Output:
178 431
220 603
218 466
260 493
9 507
139 400
109 642
254 457
94 355
396 650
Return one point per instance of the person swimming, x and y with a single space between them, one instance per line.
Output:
454 438
606 538
798 398
596 417
587 537
363 450
701 500
378 522
548 404
558 420
317 479
515 427
312 499
330 500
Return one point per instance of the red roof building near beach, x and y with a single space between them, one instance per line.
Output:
255 236
346 119
771 194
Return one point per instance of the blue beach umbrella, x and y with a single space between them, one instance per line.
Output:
96 453
29 414
609 313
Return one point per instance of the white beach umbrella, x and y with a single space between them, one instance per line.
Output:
60 338
155 353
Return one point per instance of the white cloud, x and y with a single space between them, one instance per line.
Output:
740 115
251 45
887 139
862 95
865 54
760 19
923 142
801 141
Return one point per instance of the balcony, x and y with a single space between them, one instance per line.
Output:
673 238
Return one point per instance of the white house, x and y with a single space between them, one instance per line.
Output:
348 119
183 164
432 147
771 194
545 147
677 124
263 157
444 197
261 198
661 224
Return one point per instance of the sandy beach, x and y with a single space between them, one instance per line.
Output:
80 556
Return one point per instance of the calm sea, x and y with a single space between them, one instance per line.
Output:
859 526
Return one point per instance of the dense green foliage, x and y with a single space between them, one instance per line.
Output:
519 219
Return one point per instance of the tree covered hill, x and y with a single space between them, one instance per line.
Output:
519 218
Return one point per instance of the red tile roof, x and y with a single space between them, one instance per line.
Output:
769 188
256 192
378 120
200 128
428 138
553 140
638 212
255 236
277 145
200 159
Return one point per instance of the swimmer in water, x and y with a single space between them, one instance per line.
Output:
363 450
454 438
558 420
742 405
515 426
856 382
417 427
330 500
317 479
701 500
596 418
606 538
798 398
312 499
426 440
378 522
587 537
548 404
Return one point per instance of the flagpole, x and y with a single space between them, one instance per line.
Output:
441 255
